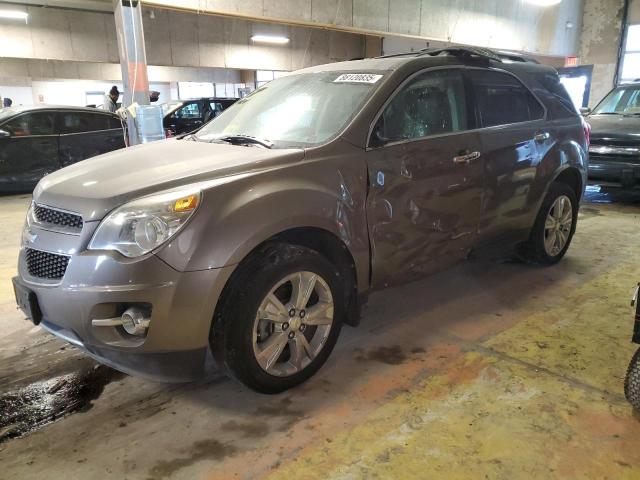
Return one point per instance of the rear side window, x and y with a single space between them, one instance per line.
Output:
114 123
28 124
432 103
501 99
79 122
556 97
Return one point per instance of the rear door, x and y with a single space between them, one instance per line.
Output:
513 133
426 178
30 152
87 134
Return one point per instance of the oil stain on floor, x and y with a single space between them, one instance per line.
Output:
38 404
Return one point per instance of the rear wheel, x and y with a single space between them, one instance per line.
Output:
632 382
554 227
279 318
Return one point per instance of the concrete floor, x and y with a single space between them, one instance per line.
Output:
489 370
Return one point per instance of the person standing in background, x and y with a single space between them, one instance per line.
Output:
111 99
7 102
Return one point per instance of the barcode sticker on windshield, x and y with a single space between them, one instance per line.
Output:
358 78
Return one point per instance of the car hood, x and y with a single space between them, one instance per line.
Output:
614 129
96 186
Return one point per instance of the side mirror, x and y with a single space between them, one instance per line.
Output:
585 111
4 134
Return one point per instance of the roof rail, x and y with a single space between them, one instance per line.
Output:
462 52
508 56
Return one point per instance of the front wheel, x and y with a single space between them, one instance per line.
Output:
279 317
554 227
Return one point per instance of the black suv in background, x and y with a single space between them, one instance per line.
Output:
188 115
38 140
614 154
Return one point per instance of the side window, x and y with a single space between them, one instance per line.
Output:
190 110
114 123
559 103
79 122
501 99
432 103
37 123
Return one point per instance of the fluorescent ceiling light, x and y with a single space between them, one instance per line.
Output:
269 39
14 14
543 3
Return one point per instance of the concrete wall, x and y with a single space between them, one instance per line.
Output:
633 16
511 24
58 69
599 42
174 39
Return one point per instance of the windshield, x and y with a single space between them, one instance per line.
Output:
622 101
297 110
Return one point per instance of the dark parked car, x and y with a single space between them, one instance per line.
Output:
189 115
614 154
38 140
259 236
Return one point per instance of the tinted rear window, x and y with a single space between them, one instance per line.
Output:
501 99
114 122
78 122
556 97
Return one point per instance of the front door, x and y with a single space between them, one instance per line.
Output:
426 178
30 152
87 134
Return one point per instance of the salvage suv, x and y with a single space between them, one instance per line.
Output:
256 238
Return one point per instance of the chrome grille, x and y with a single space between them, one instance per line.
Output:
46 265
53 217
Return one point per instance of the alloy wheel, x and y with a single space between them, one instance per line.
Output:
292 323
557 226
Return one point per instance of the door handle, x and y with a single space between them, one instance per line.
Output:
541 137
469 157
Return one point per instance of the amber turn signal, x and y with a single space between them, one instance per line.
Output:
185 204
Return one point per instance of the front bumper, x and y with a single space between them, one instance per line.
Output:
625 171
98 285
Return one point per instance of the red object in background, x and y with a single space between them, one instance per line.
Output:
571 62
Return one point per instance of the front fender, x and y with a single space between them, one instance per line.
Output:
236 217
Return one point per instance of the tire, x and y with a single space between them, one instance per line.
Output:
632 382
239 337
534 250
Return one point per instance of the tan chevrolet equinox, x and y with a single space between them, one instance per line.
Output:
254 239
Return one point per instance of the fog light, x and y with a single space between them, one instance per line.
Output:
134 321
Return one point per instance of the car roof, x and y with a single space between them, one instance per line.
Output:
433 58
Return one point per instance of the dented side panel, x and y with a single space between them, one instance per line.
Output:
423 207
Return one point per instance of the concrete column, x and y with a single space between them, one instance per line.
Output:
133 57
602 30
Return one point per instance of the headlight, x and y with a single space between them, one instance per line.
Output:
142 225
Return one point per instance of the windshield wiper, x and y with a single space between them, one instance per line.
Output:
240 139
